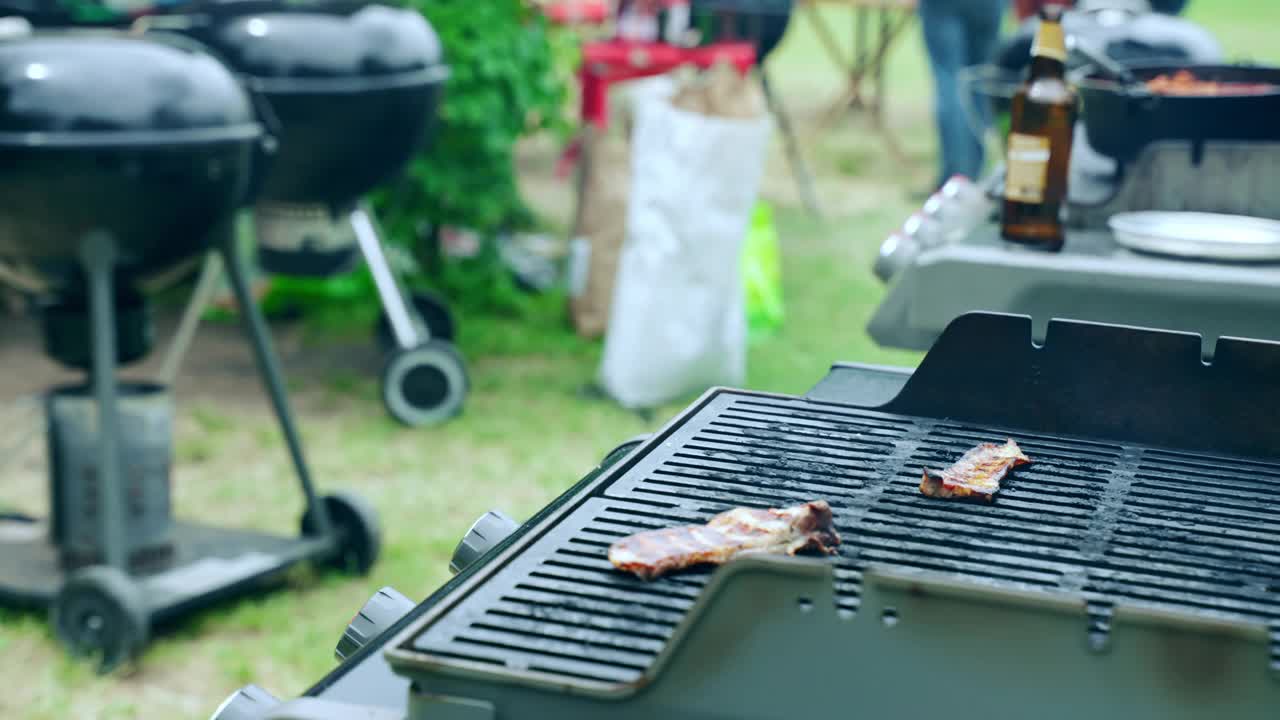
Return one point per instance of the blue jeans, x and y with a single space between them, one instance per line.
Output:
957 34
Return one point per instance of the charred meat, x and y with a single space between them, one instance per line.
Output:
977 475
740 530
1184 83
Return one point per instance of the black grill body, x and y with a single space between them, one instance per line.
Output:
352 91
1130 572
150 141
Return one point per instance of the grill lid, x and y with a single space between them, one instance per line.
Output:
373 42
90 86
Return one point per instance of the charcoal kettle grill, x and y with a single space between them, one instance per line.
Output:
122 161
1129 572
353 89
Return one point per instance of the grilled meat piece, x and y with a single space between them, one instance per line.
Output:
976 475
1184 83
740 530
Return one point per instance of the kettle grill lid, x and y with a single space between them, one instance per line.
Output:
373 42
87 86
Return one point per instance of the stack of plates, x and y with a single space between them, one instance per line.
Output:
1206 236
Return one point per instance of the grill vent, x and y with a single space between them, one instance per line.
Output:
1184 531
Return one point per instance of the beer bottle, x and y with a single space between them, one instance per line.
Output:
1039 146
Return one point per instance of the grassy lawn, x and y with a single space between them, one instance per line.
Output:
526 435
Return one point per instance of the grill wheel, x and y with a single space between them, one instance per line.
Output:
425 385
99 613
359 534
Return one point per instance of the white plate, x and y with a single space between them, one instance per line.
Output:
1209 236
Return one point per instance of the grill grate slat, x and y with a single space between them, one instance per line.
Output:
1116 523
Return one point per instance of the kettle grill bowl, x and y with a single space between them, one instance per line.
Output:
149 141
338 144
158 203
351 95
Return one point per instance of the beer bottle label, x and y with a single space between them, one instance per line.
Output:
1027 168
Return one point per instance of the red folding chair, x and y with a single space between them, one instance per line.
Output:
576 12
613 61
617 59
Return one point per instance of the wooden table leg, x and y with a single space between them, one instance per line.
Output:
791 144
887 35
870 52
851 97
861 57
837 56
824 35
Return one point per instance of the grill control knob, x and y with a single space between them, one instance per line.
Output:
896 253
248 703
487 532
379 613
12 27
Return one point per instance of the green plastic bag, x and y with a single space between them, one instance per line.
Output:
762 274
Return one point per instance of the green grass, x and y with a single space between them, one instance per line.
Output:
527 433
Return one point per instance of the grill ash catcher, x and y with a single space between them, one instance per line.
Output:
1129 572
122 162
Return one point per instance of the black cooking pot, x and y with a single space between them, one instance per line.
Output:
760 22
153 142
1120 123
354 90
1129 38
40 13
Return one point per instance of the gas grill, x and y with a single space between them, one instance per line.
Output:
1131 571
1164 153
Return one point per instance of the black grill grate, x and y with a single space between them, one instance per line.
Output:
1188 532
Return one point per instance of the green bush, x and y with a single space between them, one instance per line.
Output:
504 83
508 77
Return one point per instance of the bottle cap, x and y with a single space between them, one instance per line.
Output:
1051 12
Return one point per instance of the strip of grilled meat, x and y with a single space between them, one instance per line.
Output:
740 530
977 475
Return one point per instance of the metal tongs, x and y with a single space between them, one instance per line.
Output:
1118 72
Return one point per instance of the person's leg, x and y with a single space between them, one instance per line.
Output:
983 38
1169 7
944 39
985 18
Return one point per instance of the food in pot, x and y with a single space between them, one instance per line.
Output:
731 533
977 475
1184 82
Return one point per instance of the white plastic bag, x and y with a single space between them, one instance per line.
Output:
677 323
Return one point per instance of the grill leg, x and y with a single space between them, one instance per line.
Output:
804 181
97 254
403 325
256 328
206 286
